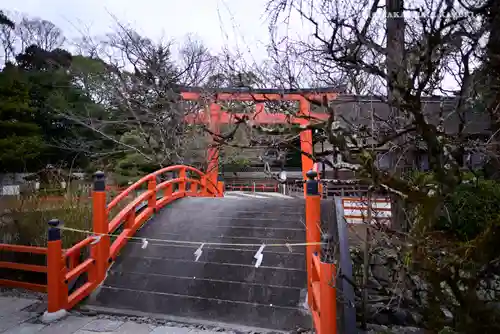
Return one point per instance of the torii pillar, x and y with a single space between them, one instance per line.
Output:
306 138
213 149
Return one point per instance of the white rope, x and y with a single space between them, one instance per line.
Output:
186 242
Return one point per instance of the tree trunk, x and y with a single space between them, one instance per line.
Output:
395 25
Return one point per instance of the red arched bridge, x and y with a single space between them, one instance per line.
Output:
253 262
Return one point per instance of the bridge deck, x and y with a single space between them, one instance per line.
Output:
223 285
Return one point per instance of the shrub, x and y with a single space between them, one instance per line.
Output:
470 209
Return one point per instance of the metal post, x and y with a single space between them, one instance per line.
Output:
100 225
57 291
313 221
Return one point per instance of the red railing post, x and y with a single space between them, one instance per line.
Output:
182 183
313 221
152 189
194 188
167 192
57 291
328 284
130 220
100 225
204 190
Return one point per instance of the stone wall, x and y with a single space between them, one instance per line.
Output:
394 297
397 294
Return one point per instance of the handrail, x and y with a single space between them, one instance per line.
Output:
23 266
263 187
153 175
127 191
79 269
213 187
23 249
117 220
75 249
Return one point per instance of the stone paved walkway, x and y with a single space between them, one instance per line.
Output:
21 316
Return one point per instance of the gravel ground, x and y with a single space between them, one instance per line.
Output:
21 293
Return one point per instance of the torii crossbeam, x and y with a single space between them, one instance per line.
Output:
214 116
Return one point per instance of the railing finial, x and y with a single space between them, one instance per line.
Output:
54 232
312 183
311 174
99 181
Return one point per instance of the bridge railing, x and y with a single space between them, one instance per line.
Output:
321 271
64 266
252 187
24 267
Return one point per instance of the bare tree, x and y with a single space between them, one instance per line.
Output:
349 42
26 31
136 81
42 33
7 37
196 61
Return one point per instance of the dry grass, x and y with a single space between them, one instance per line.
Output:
24 219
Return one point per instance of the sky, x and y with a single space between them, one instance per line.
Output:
218 23
235 24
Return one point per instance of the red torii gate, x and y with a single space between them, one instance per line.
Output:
214 116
